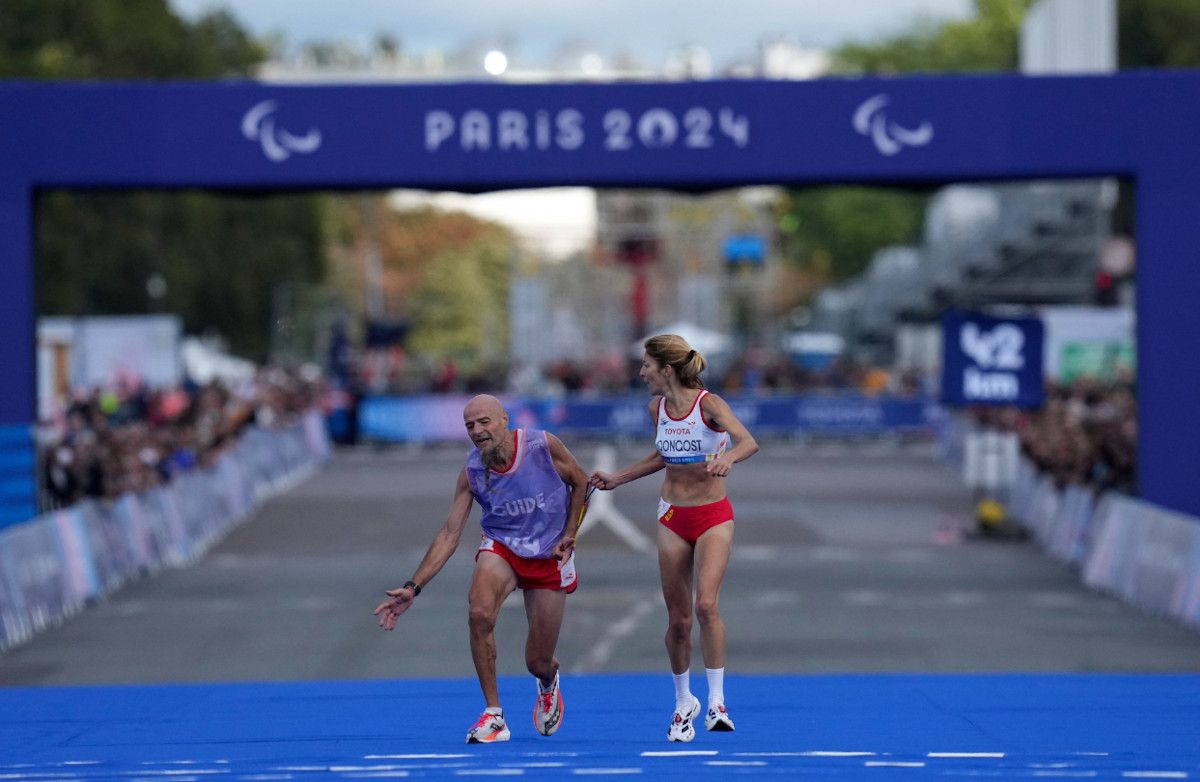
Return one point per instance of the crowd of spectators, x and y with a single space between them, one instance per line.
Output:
1085 434
109 441
754 371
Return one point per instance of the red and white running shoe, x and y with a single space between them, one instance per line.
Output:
488 729
717 718
548 710
681 724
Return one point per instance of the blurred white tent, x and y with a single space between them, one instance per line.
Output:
708 341
205 362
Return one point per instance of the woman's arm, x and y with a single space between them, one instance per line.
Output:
648 465
718 413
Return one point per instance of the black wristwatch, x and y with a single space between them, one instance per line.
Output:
413 585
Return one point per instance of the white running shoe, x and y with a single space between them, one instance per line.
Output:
681 724
488 729
717 718
548 710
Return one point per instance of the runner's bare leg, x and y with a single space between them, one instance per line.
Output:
493 581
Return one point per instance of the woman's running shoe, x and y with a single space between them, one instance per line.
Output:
717 718
681 724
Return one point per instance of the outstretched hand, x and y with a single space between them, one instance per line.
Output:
399 600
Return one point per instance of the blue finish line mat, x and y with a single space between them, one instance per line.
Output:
853 726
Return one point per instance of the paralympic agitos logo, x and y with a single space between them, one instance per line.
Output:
278 145
872 121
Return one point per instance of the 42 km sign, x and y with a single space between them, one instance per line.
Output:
991 361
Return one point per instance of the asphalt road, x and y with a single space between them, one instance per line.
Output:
846 559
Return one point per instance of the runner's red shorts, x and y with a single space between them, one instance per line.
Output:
691 521
534 573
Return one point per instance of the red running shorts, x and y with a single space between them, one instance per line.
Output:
534 573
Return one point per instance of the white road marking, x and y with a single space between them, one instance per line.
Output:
175 772
774 598
618 631
833 554
679 753
601 509
735 762
1155 774
605 771
421 756
810 754
895 764
865 597
965 755
753 553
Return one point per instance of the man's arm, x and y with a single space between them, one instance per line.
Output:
573 475
443 547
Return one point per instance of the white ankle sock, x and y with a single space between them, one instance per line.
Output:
683 690
494 710
716 686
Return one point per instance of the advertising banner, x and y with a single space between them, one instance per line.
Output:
427 419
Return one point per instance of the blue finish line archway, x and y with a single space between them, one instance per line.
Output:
478 137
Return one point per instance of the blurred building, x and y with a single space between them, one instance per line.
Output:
1004 245
706 259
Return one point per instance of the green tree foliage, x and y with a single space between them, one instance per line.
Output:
221 255
838 229
834 231
986 42
445 273
119 39
1158 33
460 310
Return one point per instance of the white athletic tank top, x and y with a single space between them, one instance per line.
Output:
688 439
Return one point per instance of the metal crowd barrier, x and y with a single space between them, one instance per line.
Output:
55 564
1139 552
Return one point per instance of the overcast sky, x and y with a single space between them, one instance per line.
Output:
648 30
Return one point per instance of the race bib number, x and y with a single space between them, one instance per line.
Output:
566 573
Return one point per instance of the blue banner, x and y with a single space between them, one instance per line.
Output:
991 361
687 135
18 464
427 419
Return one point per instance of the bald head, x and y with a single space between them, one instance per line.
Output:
487 425
484 403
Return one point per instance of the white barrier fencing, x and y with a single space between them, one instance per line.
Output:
53 565
1145 554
